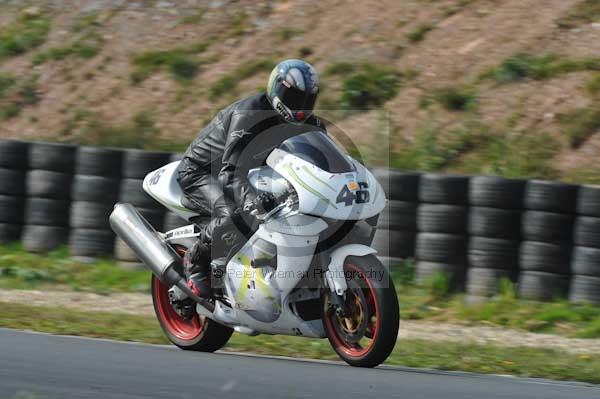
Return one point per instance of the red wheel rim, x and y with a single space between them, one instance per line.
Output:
186 330
355 349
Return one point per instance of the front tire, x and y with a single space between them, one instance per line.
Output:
196 334
366 333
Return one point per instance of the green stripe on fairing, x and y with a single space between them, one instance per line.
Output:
288 167
317 178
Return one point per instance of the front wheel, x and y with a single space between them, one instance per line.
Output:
364 330
194 333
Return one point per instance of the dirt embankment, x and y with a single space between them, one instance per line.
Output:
122 68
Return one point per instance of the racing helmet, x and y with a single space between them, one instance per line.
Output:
292 90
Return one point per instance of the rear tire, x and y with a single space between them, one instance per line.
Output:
377 304
198 334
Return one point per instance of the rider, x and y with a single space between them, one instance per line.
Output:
214 171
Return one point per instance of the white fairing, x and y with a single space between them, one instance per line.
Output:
343 196
162 185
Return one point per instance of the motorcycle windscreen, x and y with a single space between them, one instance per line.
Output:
318 149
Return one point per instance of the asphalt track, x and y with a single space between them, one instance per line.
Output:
41 366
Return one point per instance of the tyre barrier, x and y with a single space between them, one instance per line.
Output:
98 161
13 165
547 230
441 244
95 191
395 233
138 163
494 228
585 258
479 229
48 191
132 191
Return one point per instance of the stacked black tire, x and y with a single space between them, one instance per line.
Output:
585 260
95 191
547 231
441 246
13 163
48 190
494 227
135 166
394 237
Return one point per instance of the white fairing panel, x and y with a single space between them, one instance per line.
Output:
162 185
343 196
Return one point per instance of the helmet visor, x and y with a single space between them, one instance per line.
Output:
297 100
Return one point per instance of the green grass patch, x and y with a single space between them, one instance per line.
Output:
434 149
528 155
364 85
26 33
456 98
418 34
229 82
579 124
593 85
182 63
237 23
586 11
528 362
22 270
81 49
283 35
587 174
6 82
16 95
341 68
195 17
305 51
369 86
87 21
459 6
89 128
527 66
473 147
86 41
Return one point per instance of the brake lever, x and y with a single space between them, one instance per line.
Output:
267 215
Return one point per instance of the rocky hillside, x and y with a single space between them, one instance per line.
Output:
495 86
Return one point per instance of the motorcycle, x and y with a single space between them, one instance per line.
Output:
303 272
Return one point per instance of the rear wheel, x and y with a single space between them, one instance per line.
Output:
194 332
364 333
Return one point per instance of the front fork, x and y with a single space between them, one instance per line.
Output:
335 277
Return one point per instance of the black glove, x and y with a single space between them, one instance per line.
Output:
264 202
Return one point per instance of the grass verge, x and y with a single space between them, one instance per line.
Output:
22 270
525 362
430 301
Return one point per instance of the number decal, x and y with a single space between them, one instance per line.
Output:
362 195
348 197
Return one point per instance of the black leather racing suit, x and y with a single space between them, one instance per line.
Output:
214 171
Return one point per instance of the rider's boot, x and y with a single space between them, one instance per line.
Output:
196 265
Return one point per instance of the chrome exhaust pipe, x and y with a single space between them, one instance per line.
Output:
151 248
